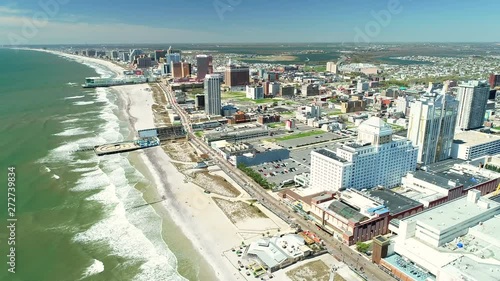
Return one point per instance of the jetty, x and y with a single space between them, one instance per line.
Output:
94 82
126 146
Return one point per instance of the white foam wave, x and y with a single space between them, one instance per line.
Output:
83 102
73 120
92 180
84 170
95 268
119 229
72 132
54 176
73 97
132 233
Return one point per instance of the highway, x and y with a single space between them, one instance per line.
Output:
352 258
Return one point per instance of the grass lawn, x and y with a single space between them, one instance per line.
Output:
334 113
266 101
276 125
233 95
300 135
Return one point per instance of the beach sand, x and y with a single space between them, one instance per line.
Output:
204 224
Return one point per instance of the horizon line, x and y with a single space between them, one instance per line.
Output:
260 43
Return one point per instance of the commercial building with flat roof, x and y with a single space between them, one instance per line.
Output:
355 216
472 144
451 180
455 240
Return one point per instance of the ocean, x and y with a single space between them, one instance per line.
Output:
79 215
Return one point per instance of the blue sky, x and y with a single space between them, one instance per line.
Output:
222 21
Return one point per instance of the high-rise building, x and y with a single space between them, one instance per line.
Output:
159 54
237 76
376 158
431 127
494 80
212 94
274 89
204 65
173 57
472 98
135 53
181 69
331 67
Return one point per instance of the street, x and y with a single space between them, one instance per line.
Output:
350 257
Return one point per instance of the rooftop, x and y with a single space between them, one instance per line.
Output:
473 138
396 203
449 170
407 267
435 179
330 154
276 250
346 211
453 213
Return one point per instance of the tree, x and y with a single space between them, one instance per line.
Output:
362 247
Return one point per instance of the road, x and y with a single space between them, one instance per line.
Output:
336 248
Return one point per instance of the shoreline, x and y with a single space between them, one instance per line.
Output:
194 221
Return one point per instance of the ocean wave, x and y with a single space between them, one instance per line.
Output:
54 176
92 180
83 102
84 170
74 97
95 268
72 132
73 120
132 233
65 152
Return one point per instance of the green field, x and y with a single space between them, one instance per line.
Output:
300 135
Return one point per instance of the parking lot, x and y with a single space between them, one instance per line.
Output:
326 137
279 171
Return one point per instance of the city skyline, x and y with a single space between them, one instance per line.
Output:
71 22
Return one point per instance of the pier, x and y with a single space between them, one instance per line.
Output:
126 146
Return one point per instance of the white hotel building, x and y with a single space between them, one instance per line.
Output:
376 158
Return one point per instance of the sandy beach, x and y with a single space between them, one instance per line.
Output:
208 228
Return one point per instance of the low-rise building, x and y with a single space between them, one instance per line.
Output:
356 216
310 90
353 105
264 119
277 252
287 91
255 92
455 241
237 135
